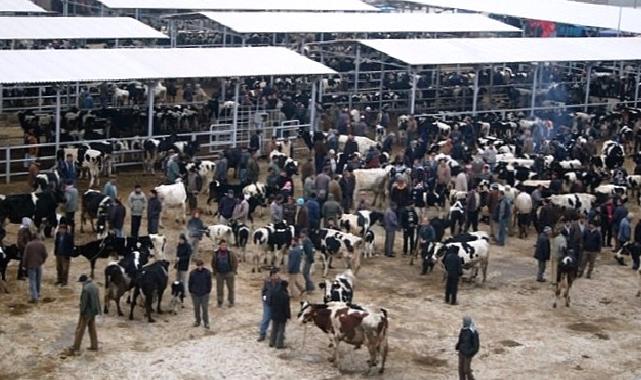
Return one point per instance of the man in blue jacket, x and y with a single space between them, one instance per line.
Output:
200 288
294 261
270 284
313 212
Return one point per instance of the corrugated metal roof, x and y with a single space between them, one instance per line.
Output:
341 22
561 11
19 6
47 28
89 65
499 50
242 5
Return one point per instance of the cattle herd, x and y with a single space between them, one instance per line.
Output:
555 154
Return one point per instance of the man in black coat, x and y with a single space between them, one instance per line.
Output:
467 346
454 268
280 313
542 252
154 207
200 288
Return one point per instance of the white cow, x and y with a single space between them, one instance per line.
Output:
581 202
92 161
374 180
206 171
172 196
217 232
363 143
612 190
159 242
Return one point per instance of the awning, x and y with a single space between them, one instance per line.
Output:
242 5
19 6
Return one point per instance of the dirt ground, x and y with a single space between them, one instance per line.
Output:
522 336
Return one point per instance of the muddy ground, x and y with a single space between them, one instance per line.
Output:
522 336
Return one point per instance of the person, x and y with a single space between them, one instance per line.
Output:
409 223
472 203
110 189
63 250
334 188
253 170
276 210
34 257
313 212
454 268
606 212
467 346
224 265
220 173
67 169
426 235
620 212
591 248
321 185
294 260
34 170
172 170
391 224
331 210
270 284
154 208
460 182
308 260
289 211
200 288
280 313
542 252
523 205
241 210
32 151
194 185
347 184
502 216
302 217
71 205
89 309
226 207
183 255
116 216
307 171
559 246
492 205
624 232
195 231
137 203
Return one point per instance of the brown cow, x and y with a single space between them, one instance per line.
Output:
352 324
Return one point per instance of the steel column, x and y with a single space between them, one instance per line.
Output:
7 165
77 94
534 79
1 98
312 104
234 137
57 118
172 33
636 86
117 43
476 92
413 101
357 69
587 88
65 8
380 87
137 14
222 89
244 41
150 110
224 37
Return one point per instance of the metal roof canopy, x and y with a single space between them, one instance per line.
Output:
94 65
340 22
49 28
561 11
507 50
19 6
239 5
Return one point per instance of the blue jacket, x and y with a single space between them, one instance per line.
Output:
592 240
313 210
542 251
294 259
308 249
200 282
196 228
625 231
110 190
64 245
390 220
619 214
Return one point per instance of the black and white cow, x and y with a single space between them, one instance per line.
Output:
92 161
602 192
474 254
364 219
150 155
95 205
7 254
100 249
340 289
565 275
612 154
151 281
120 276
332 243
47 182
241 237
273 240
177 296
456 217
39 207
634 185
370 244
581 202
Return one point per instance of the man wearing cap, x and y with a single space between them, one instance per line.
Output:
63 250
183 255
467 346
137 203
224 265
200 288
542 252
269 285
226 207
89 308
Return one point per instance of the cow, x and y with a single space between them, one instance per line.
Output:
634 185
580 202
456 216
612 154
370 244
218 232
100 249
173 196
241 237
94 205
120 276
565 276
632 249
353 325
206 170
157 244
151 281
604 191
47 182
39 207
474 254
8 253
340 289
364 219
150 158
274 239
177 295
333 242
92 161
374 180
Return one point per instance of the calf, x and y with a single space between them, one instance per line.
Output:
47 182
151 281
218 232
241 236
119 277
341 289
275 240
94 205
456 217
92 161
364 219
565 276
103 248
332 243
353 325
8 253
370 244
177 295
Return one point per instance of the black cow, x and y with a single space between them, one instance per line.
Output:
7 254
151 281
439 225
94 205
217 190
40 207
100 249
119 277
629 249
241 235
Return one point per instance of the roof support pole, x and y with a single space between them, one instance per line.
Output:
244 41
224 37
534 80
150 110
476 92
137 14
234 136
312 105
380 87
322 39
77 94
57 118
357 69
222 89
117 43
637 82
172 33
587 87
1 98
65 8
437 74
40 90
414 78
274 39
